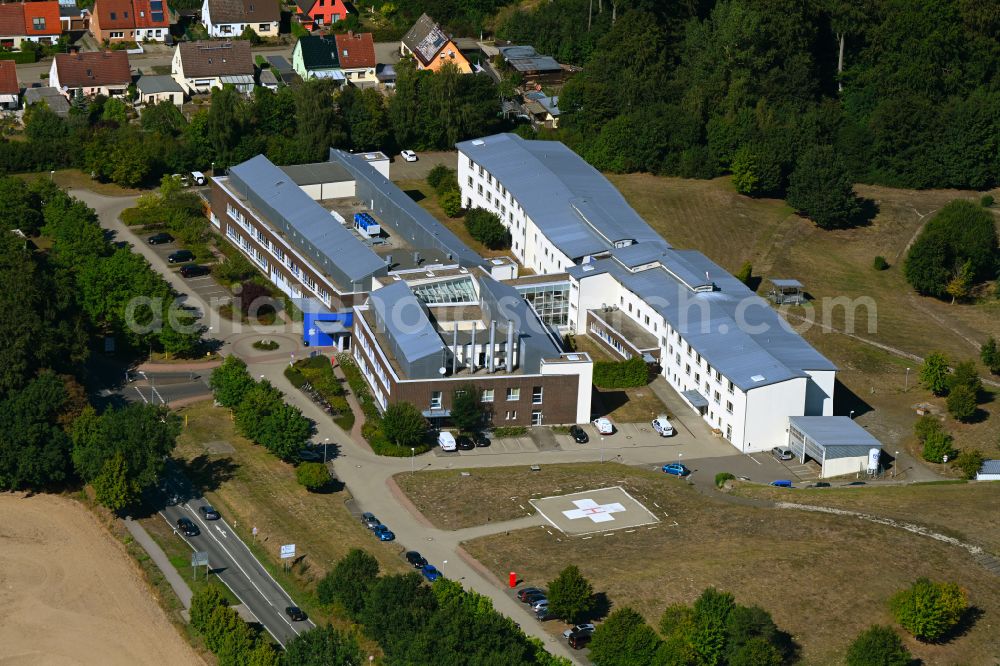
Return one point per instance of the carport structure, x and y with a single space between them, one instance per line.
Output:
837 443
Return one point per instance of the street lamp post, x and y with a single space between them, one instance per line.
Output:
325 442
895 463
852 414
602 449
413 453
906 383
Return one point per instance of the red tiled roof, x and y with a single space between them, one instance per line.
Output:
8 78
216 58
48 12
11 20
143 12
114 14
356 51
89 70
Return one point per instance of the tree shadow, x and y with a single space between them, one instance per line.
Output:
207 473
848 401
602 606
967 621
609 401
867 210
334 485
754 283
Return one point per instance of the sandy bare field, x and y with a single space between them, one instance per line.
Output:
69 595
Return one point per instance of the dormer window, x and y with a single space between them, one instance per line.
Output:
113 16
38 23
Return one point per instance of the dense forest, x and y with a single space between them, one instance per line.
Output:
900 92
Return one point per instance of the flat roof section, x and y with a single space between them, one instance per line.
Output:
319 172
827 431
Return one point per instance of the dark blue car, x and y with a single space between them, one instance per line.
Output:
430 572
781 483
677 469
384 533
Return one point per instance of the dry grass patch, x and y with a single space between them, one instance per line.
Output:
823 578
253 488
76 179
633 405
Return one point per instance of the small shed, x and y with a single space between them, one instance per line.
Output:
990 471
837 443
786 291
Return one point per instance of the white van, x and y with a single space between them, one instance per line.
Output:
198 177
446 441
662 426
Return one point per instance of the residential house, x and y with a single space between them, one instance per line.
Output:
154 89
10 89
229 18
314 14
93 73
200 66
129 21
48 96
73 18
543 109
431 48
357 58
316 58
281 68
29 22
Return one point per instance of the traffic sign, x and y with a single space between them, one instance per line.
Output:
199 558
288 551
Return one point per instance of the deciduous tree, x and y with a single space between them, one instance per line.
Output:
624 639
821 187
929 610
323 646
404 425
349 582
571 596
878 646
934 373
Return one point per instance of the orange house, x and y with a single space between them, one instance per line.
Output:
431 48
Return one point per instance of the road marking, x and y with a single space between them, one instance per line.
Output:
753 459
222 532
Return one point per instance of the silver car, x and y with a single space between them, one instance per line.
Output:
781 453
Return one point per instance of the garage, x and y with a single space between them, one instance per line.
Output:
990 471
837 443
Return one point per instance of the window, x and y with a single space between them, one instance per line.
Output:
38 23
716 397
479 188
117 35
536 395
435 399
697 378
647 320
718 376
729 407
536 417
698 358
729 432
687 369
487 393
730 387
472 164
513 394
470 181
263 27
511 415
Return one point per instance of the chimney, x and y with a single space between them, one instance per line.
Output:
416 258
510 346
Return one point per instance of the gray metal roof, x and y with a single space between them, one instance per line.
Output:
413 339
268 78
280 63
576 207
990 467
736 331
527 59
791 284
158 83
835 431
503 304
330 245
317 172
402 213
54 99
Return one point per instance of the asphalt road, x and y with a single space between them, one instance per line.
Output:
232 562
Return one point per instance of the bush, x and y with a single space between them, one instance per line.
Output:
929 610
986 201
204 601
451 203
313 475
510 431
404 425
721 478
821 187
487 228
621 374
926 426
962 403
880 263
989 354
349 582
745 273
878 646
934 373
265 345
969 462
442 179
571 596
937 446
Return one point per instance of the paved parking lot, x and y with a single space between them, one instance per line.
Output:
497 447
205 285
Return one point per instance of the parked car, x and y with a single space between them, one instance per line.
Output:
819 484
604 426
160 238
522 594
781 483
446 441
588 628
578 434
296 614
677 469
208 513
187 528
539 605
180 256
384 533
464 443
662 426
310 455
542 614
193 270
481 439
198 178
430 572
782 453
408 155
416 560
185 181
855 483
534 597
579 641
369 520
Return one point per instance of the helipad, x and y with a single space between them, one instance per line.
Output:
592 511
